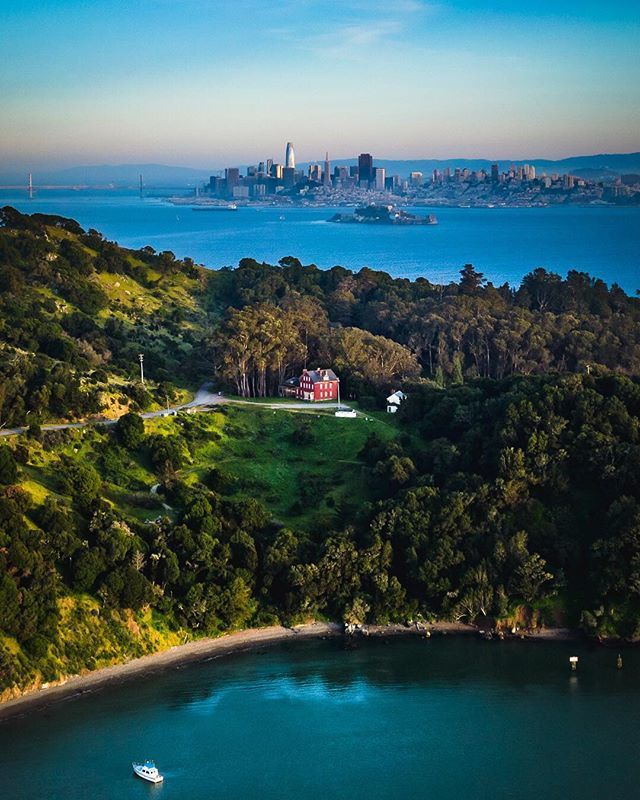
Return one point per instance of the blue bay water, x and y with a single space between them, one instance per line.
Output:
415 720
504 243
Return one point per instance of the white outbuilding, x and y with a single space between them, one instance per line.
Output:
394 400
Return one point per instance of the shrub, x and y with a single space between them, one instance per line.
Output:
81 480
130 430
8 466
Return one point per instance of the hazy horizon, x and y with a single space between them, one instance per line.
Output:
204 82
18 172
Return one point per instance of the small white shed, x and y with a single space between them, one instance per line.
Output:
394 400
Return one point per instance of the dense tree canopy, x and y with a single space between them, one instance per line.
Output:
455 332
67 328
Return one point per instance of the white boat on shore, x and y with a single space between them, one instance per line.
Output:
148 772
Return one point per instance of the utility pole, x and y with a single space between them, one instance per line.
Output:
141 359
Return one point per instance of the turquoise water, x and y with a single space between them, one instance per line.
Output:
505 244
430 720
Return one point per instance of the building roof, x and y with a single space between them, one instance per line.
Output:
396 397
319 375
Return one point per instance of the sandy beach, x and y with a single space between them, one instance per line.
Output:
155 662
234 643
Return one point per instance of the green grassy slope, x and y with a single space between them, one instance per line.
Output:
75 312
304 467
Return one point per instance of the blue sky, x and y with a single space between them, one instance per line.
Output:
208 83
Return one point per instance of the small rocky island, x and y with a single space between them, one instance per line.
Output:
384 215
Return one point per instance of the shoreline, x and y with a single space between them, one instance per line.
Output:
241 641
191 652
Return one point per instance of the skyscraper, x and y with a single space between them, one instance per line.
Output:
288 177
290 156
232 178
365 168
326 178
315 172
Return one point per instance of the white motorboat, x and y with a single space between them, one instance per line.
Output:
148 772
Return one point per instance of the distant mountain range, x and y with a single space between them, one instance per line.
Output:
129 174
596 167
121 175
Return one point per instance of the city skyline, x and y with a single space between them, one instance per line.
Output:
190 83
606 165
368 183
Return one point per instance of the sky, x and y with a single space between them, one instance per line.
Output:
209 83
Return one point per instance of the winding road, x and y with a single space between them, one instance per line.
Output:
204 398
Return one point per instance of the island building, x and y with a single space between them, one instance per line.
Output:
313 385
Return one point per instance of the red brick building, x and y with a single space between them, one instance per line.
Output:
314 385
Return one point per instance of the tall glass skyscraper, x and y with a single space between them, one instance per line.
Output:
365 168
290 156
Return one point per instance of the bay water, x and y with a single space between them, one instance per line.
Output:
503 243
446 718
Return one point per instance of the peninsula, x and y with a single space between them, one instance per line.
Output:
487 476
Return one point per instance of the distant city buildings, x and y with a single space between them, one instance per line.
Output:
270 178
365 183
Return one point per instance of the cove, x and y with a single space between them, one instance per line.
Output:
450 717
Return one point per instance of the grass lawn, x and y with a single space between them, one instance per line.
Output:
303 466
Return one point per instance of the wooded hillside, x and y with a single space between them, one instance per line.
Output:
504 491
